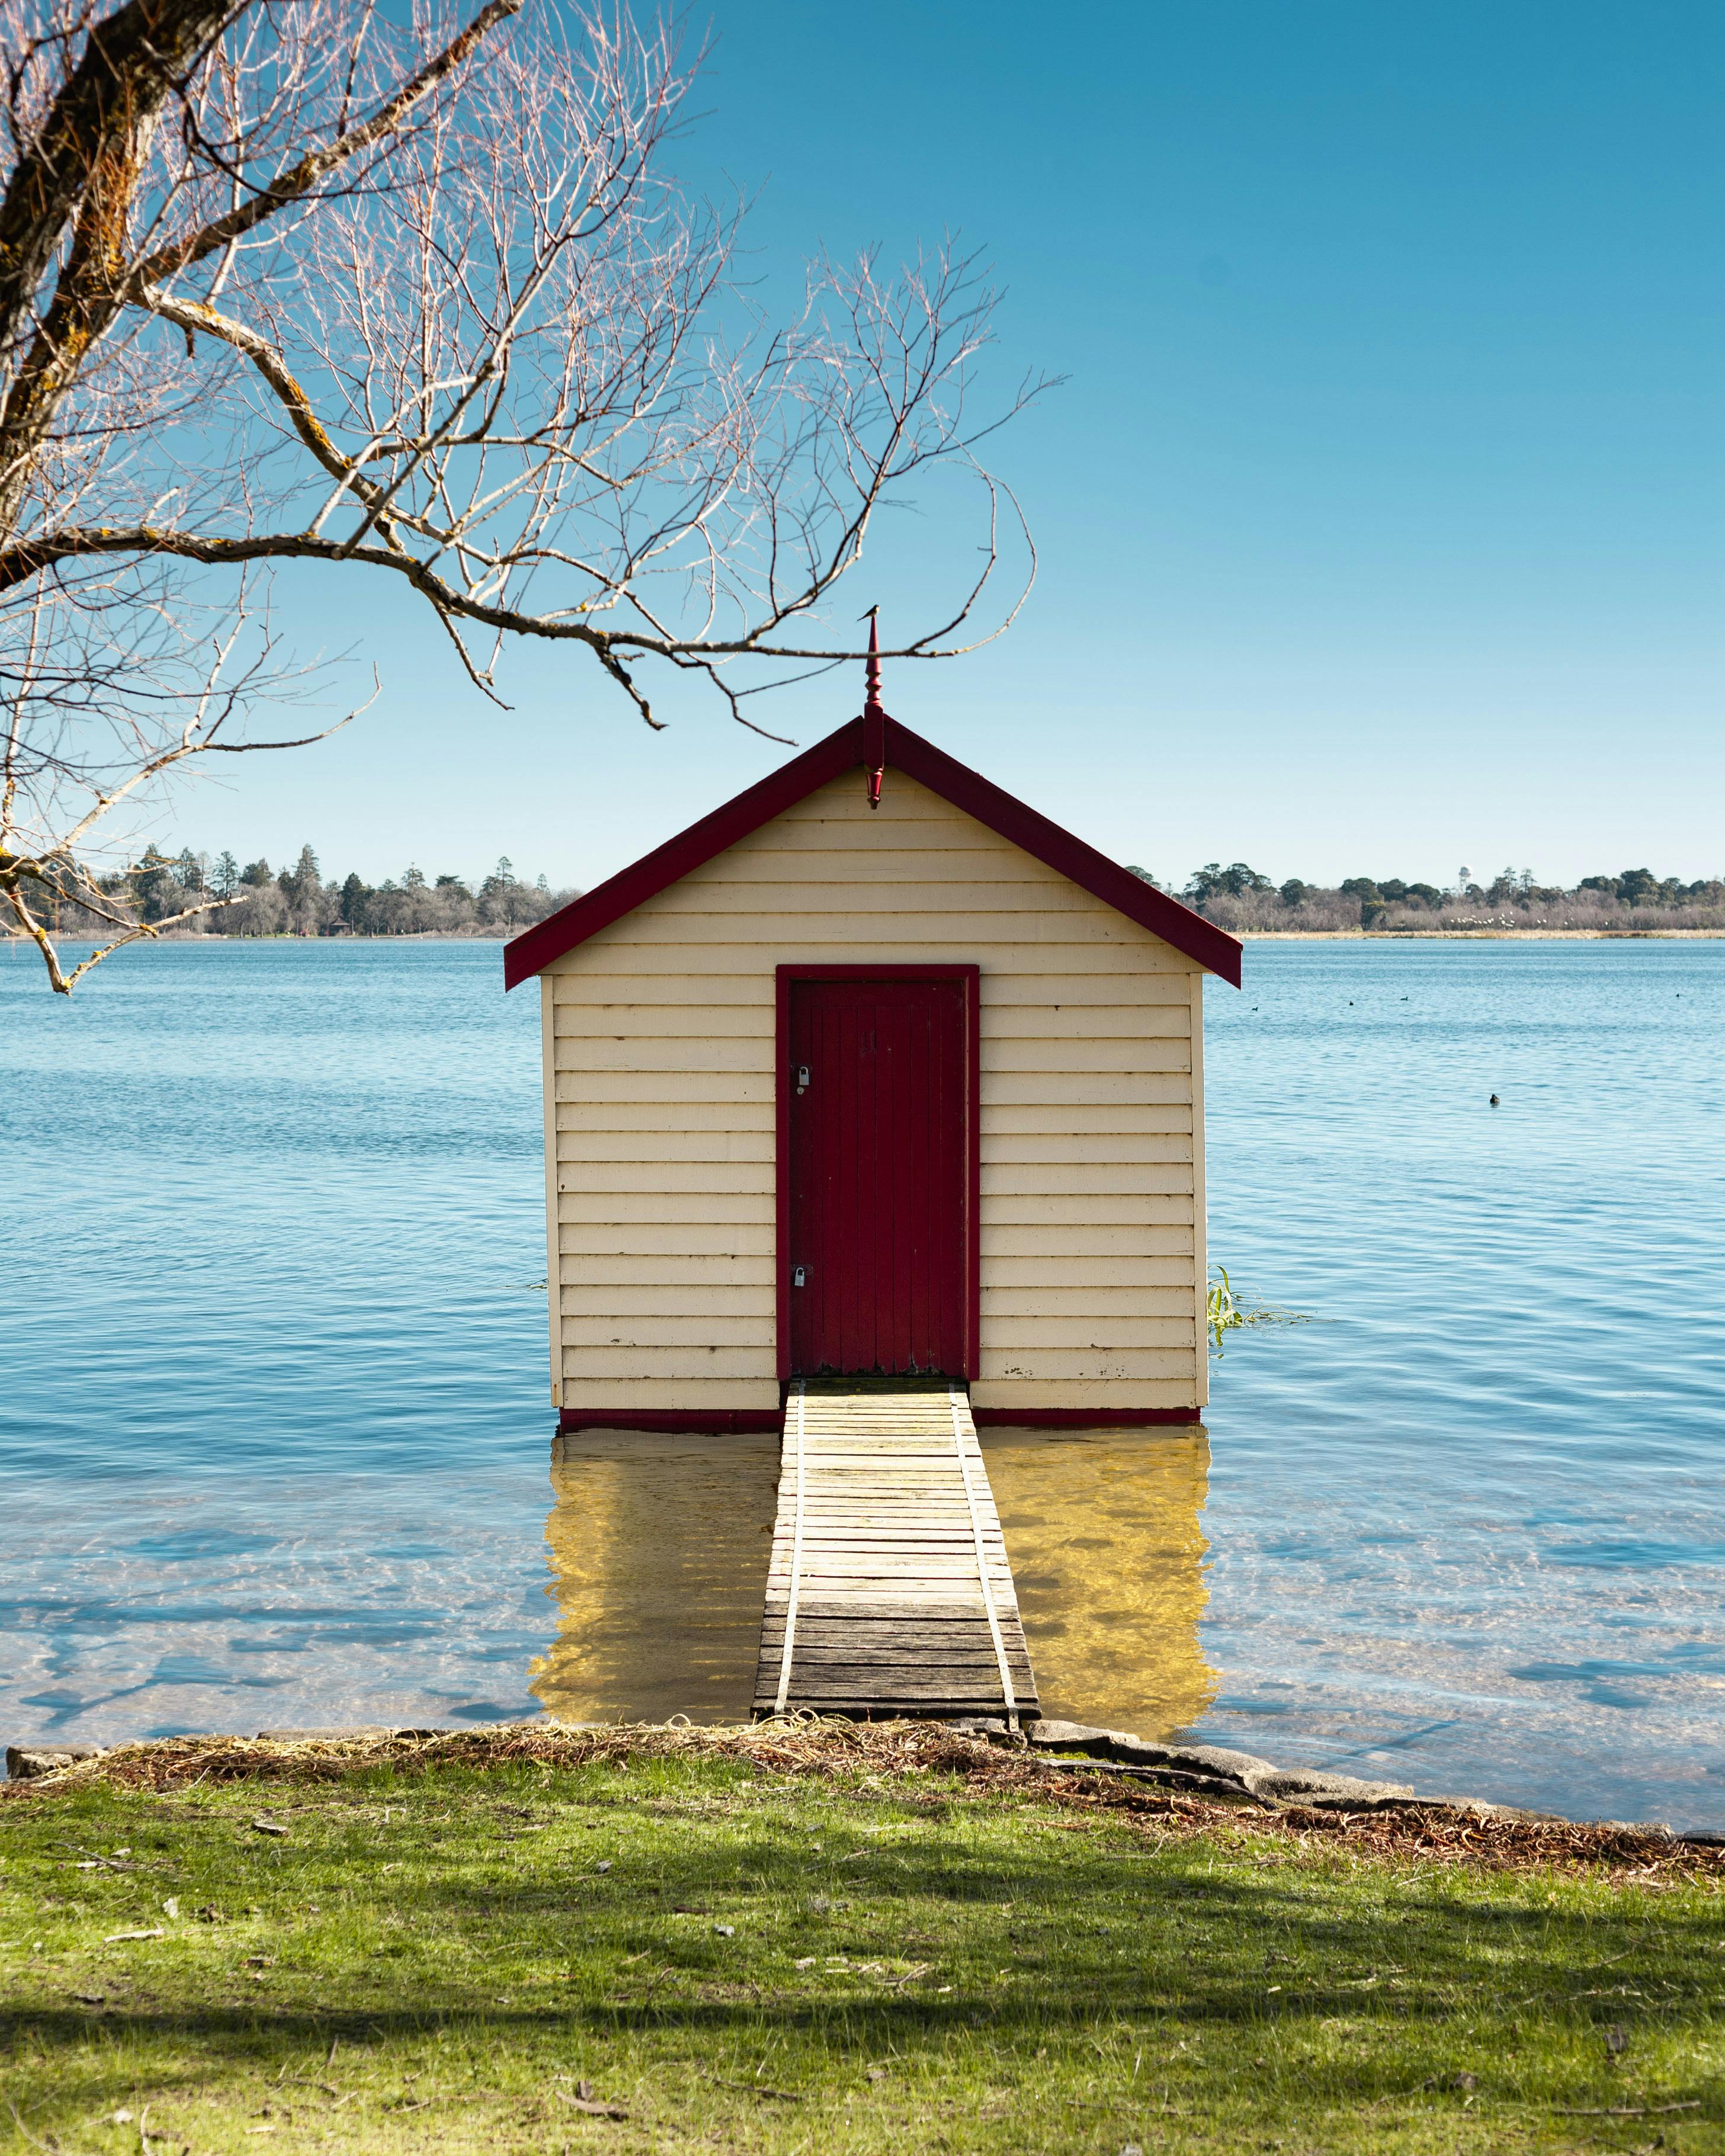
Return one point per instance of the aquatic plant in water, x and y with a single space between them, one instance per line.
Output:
1223 1311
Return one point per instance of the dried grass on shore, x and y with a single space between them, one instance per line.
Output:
871 1752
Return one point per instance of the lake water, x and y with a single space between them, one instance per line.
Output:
277 1450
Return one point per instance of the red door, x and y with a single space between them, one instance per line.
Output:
877 1249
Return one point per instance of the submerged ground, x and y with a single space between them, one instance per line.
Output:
820 1940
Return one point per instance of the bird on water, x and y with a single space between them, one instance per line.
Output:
1496 1102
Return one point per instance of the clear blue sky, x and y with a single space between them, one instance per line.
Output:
1380 516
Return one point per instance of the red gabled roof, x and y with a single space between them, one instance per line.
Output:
1210 947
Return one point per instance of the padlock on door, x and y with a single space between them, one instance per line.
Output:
799 1275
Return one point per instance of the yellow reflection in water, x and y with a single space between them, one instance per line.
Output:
1102 1531
659 1546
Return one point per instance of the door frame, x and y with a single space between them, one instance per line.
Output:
970 979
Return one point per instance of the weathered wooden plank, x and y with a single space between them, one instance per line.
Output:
864 1688
669 1364
608 957
1104 1367
934 860
879 1542
874 1583
980 1676
933 1574
1095 1242
914 1642
904 1700
577 994
1102 1298
835 1537
894 1601
1024 1119
689 1170
724 1019
736 1327
1124 1091
834 1519
834 1563
947 1666
896 1506
1099 1396
1021 1209
728 905
1148 1020
680 1242
582 1121
1086 1179
668 923
1105 1058
837 1516
621 1394
907 1636
631 1298
1027 1150
707 1095
969 1670
1107 1336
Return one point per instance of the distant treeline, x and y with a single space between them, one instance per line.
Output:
259 900
299 901
1238 897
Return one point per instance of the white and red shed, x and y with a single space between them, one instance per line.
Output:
854 1078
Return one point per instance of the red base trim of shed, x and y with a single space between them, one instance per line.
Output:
749 1422
716 1422
1082 1418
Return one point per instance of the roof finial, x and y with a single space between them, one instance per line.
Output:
873 715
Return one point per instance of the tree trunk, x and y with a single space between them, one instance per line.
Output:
84 163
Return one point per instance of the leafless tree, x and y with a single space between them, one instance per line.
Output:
282 279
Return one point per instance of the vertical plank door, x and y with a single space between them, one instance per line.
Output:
878 1184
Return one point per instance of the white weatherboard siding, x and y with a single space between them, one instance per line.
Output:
662 1047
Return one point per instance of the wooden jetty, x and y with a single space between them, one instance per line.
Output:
890 1591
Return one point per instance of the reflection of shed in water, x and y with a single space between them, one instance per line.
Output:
1102 1529
660 1547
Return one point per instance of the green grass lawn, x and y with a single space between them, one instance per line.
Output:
859 1955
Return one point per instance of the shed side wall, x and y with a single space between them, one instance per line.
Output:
554 1253
663 1048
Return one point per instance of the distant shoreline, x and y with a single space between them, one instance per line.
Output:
1478 935
215 936
1245 935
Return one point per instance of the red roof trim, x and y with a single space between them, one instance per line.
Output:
1201 940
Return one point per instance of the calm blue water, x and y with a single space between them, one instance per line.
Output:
273 1402
1469 1530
